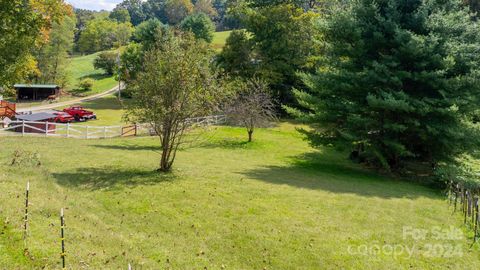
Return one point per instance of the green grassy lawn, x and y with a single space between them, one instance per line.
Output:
273 204
81 67
109 111
219 39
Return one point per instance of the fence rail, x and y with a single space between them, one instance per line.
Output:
48 129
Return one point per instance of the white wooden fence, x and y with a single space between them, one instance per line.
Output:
47 129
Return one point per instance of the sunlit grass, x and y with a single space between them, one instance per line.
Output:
81 67
219 40
275 203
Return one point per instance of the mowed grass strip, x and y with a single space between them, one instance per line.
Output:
273 204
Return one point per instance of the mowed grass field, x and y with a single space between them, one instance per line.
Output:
81 67
219 40
275 203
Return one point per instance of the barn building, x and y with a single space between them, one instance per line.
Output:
36 91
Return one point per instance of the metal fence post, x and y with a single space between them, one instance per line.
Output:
46 129
86 133
68 130
23 128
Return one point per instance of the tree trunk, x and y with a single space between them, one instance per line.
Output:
165 164
250 135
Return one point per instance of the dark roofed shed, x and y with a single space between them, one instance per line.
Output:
36 91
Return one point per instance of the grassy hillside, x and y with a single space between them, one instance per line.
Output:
219 39
272 204
81 67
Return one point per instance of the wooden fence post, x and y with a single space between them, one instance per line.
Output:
62 234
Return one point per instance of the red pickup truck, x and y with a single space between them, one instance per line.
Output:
62 117
80 114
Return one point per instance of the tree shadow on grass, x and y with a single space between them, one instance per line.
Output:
226 144
153 148
111 178
315 171
96 76
103 104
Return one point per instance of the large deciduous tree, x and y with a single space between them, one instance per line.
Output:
24 26
177 10
281 35
103 34
52 57
135 9
177 83
398 81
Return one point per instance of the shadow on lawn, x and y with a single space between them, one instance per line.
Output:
111 177
154 148
225 144
96 76
103 104
319 172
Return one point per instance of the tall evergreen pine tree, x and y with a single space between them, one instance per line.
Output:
398 80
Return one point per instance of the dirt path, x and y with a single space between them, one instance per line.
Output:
67 103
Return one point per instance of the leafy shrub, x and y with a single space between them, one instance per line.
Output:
86 84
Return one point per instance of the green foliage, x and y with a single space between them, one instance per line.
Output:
24 26
147 32
106 61
135 10
131 61
200 25
206 7
237 56
474 5
120 15
282 40
177 10
155 9
397 82
103 34
176 83
86 84
52 57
